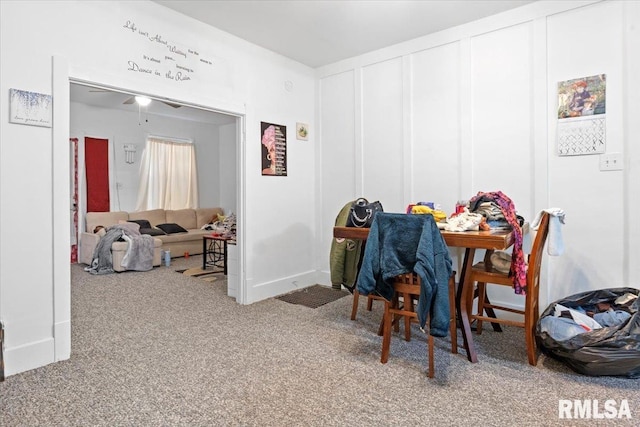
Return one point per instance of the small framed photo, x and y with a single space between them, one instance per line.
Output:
302 131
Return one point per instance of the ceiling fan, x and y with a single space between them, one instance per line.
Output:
132 99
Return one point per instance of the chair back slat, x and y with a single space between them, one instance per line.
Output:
535 258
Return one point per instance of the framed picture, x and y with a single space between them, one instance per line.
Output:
302 131
30 108
274 149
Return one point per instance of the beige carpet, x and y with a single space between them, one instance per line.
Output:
158 348
197 272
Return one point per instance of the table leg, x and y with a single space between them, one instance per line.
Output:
204 253
464 298
225 257
488 266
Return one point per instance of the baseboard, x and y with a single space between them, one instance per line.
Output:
323 278
29 356
62 334
267 290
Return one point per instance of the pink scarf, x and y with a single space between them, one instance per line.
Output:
518 266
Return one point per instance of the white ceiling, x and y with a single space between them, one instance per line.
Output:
318 33
113 99
313 32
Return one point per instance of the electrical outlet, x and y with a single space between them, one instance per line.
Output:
611 162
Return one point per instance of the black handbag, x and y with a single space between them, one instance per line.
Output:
362 212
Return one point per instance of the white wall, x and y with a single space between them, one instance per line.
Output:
228 167
91 43
591 262
123 127
473 108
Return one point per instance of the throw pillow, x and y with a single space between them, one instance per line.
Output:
151 231
171 228
143 223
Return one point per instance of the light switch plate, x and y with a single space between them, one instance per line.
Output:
611 162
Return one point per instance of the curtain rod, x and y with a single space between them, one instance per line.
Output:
172 139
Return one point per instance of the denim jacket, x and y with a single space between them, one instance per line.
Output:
399 244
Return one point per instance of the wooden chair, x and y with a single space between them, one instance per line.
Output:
407 288
484 274
356 299
370 299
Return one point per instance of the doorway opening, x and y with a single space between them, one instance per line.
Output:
112 114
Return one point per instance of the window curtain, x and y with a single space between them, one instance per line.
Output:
168 175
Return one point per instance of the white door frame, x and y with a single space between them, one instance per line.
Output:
61 78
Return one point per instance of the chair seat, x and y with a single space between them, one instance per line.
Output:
492 275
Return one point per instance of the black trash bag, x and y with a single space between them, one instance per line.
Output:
609 351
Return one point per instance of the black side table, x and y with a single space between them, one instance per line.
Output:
214 252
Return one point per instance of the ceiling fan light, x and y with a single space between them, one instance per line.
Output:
143 100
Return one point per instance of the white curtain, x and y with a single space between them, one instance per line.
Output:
168 175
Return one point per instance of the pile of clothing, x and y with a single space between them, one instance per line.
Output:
427 208
568 322
486 204
225 226
594 332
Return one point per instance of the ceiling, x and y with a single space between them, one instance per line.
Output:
314 33
113 99
318 33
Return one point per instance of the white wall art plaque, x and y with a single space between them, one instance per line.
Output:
30 108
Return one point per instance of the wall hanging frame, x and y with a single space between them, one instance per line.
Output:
274 149
30 108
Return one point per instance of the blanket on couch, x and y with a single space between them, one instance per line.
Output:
139 254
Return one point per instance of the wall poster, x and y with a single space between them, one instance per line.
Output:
274 149
581 116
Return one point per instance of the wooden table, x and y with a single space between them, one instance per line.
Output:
470 240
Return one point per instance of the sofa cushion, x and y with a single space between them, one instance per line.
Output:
189 238
152 231
105 219
154 216
143 223
171 228
186 218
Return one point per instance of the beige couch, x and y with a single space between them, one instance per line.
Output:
190 219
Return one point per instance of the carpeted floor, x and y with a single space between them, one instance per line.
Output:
197 272
164 349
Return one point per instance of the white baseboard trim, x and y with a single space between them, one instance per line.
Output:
29 356
62 334
282 286
324 278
